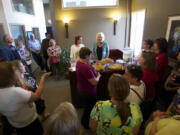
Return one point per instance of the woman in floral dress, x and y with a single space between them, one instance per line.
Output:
115 116
53 52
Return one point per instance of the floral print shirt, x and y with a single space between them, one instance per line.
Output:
54 50
109 122
22 52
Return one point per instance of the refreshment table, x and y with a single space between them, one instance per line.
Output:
102 90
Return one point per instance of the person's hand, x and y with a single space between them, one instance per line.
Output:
98 75
22 57
46 74
157 115
27 54
171 89
97 61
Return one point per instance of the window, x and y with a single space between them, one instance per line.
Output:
17 33
88 3
137 28
24 6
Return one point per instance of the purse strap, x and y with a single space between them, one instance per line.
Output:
137 94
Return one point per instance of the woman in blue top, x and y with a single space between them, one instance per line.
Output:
100 48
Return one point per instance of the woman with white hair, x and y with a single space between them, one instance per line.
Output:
100 48
54 52
64 121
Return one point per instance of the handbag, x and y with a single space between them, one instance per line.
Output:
54 60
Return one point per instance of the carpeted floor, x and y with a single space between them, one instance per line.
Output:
56 92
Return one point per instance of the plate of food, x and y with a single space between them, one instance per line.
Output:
98 67
107 60
115 67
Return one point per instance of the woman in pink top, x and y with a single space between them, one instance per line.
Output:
147 61
150 77
160 47
87 79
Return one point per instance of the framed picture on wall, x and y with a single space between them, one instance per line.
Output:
28 33
173 36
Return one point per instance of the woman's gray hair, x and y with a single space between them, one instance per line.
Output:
102 35
64 121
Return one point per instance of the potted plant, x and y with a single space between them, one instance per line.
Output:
64 60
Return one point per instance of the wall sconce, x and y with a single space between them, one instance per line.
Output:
66 21
116 18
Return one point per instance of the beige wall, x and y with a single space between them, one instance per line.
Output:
156 15
87 22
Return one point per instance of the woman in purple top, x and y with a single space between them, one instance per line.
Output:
87 79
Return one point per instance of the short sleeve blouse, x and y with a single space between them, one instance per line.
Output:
109 122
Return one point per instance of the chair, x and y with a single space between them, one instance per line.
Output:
115 54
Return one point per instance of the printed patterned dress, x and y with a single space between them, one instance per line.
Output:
109 122
54 51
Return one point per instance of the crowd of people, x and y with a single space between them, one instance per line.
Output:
143 89
146 97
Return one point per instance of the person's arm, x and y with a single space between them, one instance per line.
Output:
59 51
154 126
169 88
27 53
167 81
136 129
169 108
94 81
93 125
49 52
94 116
36 95
156 117
32 50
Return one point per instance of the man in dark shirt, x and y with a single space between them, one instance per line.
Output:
10 52
44 47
